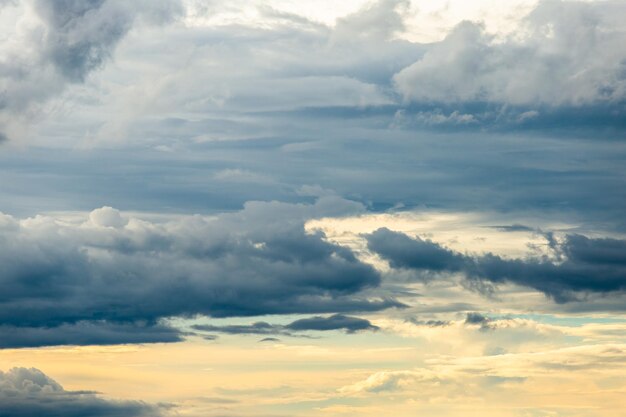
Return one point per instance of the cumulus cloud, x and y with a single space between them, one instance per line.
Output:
567 54
589 265
110 280
29 392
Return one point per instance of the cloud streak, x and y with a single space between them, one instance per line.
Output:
348 324
590 265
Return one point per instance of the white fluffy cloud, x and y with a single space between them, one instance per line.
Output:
567 53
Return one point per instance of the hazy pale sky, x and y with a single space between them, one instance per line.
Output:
312 208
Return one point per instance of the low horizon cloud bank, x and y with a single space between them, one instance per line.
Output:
28 392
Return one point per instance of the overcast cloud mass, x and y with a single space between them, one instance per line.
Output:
413 205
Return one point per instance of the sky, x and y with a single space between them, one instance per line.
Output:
280 208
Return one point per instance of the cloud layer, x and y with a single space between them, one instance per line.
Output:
582 264
349 324
113 279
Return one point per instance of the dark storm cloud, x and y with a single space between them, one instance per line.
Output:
348 324
29 392
588 265
111 280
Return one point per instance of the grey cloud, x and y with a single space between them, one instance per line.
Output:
29 392
87 333
348 324
428 323
514 228
405 252
475 318
269 339
590 265
210 101
73 38
334 322
81 34
108 281
259 327
378 20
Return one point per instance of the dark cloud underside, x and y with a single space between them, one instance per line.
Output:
348 324
110 281
589 266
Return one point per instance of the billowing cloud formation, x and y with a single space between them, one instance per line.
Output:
112 279
79 35
569 53
62 41
29 392
318 323
587 265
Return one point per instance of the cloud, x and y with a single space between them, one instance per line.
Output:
56 43
389 381
463 373
334 322
563 69
29 392
113 280
404 252
98 332
514 228
317 323
590 265
269 339
259 327
379 20
566 54
476 318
